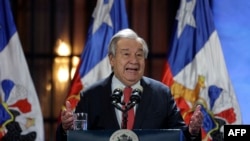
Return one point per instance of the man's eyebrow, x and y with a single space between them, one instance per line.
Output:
140 50
124 49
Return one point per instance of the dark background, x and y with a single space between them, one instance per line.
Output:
41 23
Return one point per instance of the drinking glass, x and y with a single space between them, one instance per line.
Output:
80 121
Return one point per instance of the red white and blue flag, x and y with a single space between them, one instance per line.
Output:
109 17
196 72
20 114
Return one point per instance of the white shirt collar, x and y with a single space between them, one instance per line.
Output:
116 83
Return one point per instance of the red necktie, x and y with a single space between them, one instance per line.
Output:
127 92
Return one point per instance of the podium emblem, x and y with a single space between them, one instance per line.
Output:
124 135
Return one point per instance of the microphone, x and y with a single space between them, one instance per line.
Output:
116 96
135 97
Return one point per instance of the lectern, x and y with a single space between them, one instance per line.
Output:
127 135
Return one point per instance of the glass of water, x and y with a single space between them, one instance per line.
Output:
80 121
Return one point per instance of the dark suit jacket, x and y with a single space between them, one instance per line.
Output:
156 110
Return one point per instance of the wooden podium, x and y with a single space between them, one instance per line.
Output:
125 135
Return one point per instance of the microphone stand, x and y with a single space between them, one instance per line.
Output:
127 107
124 118
124 112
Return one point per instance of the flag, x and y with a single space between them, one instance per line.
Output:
20 113
108 18
196 72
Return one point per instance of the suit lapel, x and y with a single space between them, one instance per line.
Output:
109 110
143 105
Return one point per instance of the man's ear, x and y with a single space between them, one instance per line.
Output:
111 59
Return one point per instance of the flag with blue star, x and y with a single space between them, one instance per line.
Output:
195 70
109 17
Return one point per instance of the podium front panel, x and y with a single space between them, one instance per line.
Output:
143 135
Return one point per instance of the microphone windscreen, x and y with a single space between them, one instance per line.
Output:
136 94
116 95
